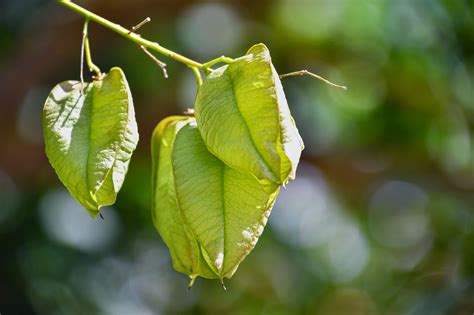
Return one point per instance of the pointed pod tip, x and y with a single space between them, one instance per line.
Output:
223 285
191 282
93 212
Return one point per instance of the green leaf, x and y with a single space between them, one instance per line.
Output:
90 135
202 207
245 121
166 214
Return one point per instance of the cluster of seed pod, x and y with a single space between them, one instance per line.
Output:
216 176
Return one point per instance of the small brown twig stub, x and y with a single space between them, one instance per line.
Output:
303 72
160 63
136 27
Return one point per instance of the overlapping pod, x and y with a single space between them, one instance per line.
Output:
167 215
209 214
244 119
90 134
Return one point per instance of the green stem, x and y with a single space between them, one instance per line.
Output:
130 35
197 73
90 64
220 59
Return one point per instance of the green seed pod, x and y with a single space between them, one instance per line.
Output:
90 134
205 210
245 121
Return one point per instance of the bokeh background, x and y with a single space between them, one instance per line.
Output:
380 219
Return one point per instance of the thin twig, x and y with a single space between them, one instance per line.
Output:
136 27
303 72
160 63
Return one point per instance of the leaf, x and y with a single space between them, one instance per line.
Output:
167 216
204 207
90 137
245 121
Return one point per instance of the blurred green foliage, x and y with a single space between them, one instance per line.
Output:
380 219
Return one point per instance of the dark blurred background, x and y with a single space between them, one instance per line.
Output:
380 219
